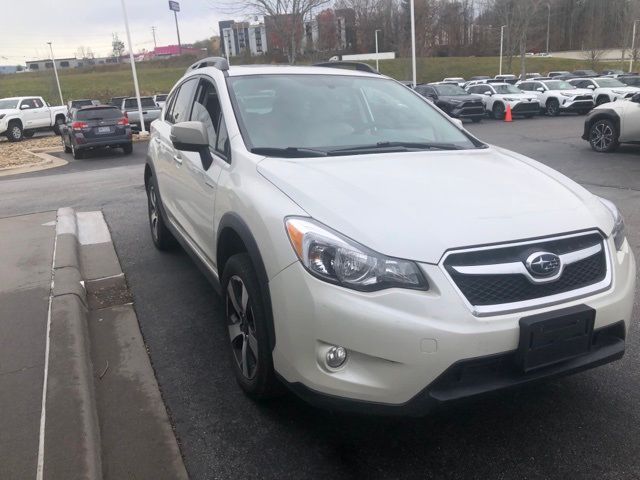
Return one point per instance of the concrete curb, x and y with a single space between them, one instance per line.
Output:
72 436
47 162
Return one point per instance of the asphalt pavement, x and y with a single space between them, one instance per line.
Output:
584 426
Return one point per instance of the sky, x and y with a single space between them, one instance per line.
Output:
28 24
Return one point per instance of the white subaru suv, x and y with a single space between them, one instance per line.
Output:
371 253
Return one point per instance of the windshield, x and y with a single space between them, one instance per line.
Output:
161 98
559 85
98 114
635 81
8 104
451 90
327 112
144 101
506 89
609 82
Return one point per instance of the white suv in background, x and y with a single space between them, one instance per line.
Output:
611 124
371 253
558 96
605 89
496 97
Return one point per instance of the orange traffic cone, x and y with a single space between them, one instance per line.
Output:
507 114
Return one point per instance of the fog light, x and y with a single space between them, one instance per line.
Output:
336 356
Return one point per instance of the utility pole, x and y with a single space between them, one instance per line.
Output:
153 32
633 46
548 25
143 129
501 45
377 62
413 41
55 71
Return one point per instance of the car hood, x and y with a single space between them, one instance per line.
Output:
417 205
463 98
520 96
576 91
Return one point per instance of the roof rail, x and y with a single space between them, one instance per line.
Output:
359 66
218 62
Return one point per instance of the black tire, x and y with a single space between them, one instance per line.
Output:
56 125
14 132
602 99
476 119
28 133
128 148
497 111
76 152
247 327
64 145
162 237
603 136
553 107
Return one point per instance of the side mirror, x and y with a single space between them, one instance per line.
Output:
488 93
540 89
24 107
192 137
636 98
591 87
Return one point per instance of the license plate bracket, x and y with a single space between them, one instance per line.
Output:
554 337
104 129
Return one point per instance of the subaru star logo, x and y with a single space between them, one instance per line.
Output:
543 264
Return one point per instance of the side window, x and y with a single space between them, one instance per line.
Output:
223 138
181 108
207 109
37 103
473 89
527 87
169 106
26 104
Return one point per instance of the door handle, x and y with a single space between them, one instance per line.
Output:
177 159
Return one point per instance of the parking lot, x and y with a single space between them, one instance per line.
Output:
584 426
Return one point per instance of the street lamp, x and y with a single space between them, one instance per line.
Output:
413 41
143 130
633 45
501 45
377 62
55 71
548 25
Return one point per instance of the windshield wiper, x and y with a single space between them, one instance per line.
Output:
288 152
398 146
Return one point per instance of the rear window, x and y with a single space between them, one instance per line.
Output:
144 101
81 103
98 114
160 98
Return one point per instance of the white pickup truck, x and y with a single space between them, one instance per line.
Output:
21 117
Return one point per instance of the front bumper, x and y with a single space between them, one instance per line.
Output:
569 105
465 111
85 143
405 346
4 125
525 108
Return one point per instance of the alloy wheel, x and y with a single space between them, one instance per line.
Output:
242 328
601 136
16 133
153 211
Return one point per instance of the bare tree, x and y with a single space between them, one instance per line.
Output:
284 19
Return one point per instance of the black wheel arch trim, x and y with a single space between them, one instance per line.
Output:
233 221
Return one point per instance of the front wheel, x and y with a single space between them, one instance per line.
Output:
14 134
247 327
602 100
162 237
553 108
498 111
603 136
57 125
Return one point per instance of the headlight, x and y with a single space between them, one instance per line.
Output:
509 99
455 102
332 257
566 94
618 92
618 223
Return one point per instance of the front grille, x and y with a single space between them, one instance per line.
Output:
472 108
581 98
496 289
529 107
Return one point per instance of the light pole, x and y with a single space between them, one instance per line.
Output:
55 71
413 41
501 45
548 25
633 45
143 130
377 62
227 44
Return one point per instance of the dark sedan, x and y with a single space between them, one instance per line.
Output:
453 100
96 127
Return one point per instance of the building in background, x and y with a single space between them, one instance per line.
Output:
242 38
39 65
174 50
